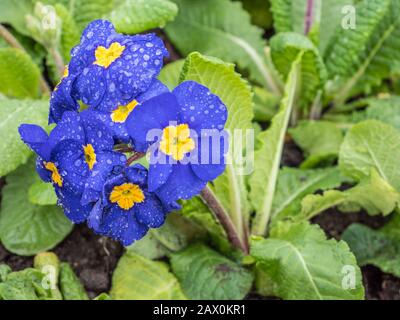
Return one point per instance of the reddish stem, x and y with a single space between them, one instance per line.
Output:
309 16
134 157
225 220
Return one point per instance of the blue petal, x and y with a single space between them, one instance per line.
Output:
168 207
156 88
119 129
151 211
139 64
33 136
156 113
44 174
62 100
70 161
95 217
137 174
96 133
122 225
102 170
109 186
200 108
181 184
70 202
96 33
135 231
69 128
208 162
158 172
91 85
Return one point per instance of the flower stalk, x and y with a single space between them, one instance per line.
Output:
223 217
136 156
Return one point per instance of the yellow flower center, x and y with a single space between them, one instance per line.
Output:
65 74
106 56
122 112
55 175
126 195
176 141
90 156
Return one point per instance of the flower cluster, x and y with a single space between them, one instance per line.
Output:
109 105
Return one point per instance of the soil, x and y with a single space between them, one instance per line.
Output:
94 258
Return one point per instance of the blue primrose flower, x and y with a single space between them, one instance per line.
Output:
112 69
127 209
77 155
107 70
189 149
115 120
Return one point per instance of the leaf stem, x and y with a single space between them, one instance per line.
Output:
58 60
222 216
277 131
134 157
309 16
13 42
316 107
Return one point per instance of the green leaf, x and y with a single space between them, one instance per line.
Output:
373 194
320 141
25 228
134 16
303 264
137 278
5 270
290 15
128 16
49 264
175 234
266 104
222 80
103 296
380 248
198 212
13 113
362 57
385 109
285 48
268 157
70 285
23 285
294 184
170 74
205 274
70 34
19 75
42 194
370 145
282 16
218 33
14 12
85 11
